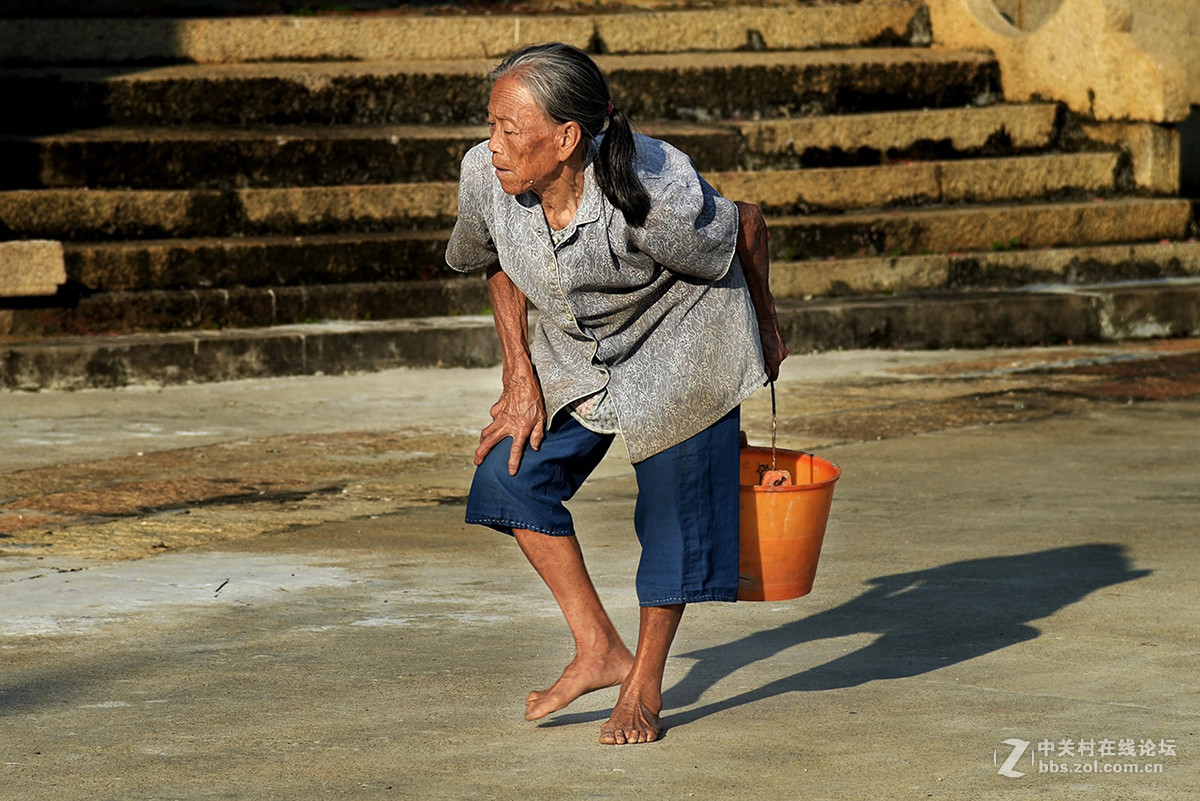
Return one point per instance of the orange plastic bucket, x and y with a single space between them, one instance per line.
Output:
782 527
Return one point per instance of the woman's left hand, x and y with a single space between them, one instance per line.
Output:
755 257
774 350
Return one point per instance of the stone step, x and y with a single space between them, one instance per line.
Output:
91 214
985 270
223 158
923 183
115 9
174 358
275 156
110 313
196 309
113 214
875 137
707 86
1057 315
393 37
259 261
1077 314
272 261
949 230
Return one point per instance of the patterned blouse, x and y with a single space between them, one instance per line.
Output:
659 316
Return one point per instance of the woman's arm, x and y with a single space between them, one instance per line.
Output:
756 264
521 412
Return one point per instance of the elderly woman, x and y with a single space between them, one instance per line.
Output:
655 322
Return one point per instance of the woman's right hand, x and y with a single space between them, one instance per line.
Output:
520 413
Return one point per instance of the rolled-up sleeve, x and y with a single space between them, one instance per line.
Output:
471 247
691 229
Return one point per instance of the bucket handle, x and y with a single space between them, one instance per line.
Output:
774 466
774 429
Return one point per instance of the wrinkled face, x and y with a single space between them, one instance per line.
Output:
525 141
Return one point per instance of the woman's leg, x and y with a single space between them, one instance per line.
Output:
529 505
635 717
687 522
601 658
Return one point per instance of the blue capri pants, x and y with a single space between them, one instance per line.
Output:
686 517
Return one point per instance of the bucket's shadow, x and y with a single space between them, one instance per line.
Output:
925 619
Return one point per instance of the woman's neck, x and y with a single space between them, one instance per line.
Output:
562 196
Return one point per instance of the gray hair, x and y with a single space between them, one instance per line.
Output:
569 87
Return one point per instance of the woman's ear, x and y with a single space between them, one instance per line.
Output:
570 136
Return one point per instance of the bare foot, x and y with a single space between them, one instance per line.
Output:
634 719
582 676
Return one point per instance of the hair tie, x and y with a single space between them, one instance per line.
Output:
610 110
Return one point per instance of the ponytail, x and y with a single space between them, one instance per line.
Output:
615 171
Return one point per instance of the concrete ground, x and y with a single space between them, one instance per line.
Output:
265 590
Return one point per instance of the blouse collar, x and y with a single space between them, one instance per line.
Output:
590 205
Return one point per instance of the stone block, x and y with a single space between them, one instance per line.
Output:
1161 312
31 268
257 261
680 87
986 320
1153 150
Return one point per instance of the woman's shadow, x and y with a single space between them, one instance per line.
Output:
925 619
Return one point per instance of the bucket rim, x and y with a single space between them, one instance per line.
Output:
793 487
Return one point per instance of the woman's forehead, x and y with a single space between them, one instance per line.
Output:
512 100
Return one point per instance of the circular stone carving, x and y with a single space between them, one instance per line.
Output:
1027 15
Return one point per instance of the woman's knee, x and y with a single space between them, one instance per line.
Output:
494 467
